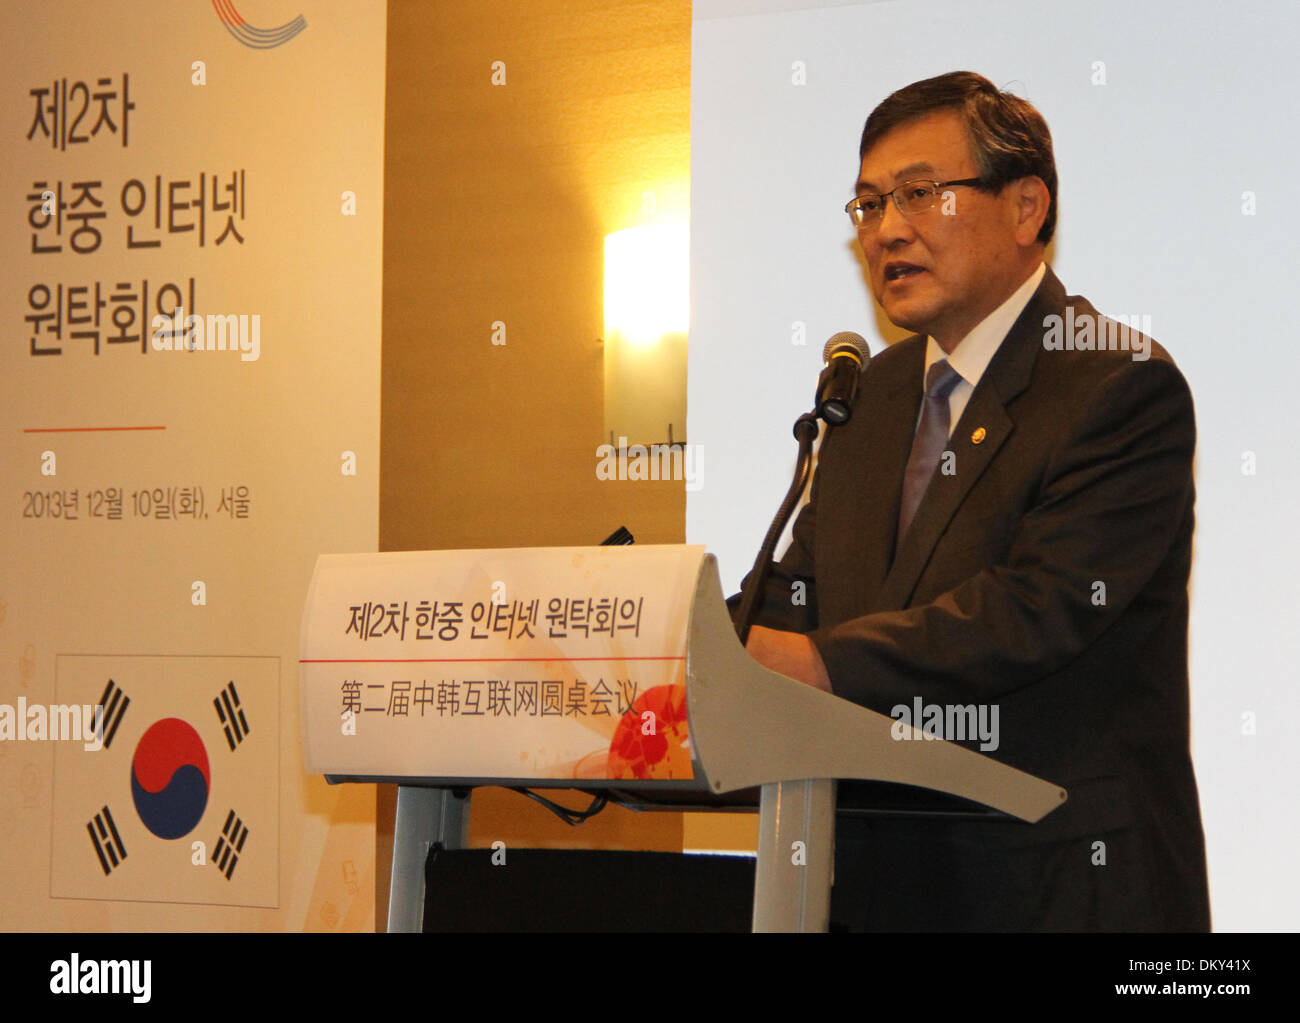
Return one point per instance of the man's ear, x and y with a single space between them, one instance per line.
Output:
1032 201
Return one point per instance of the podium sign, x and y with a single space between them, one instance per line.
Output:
505 666
574 667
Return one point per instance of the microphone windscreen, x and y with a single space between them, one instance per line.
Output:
850 339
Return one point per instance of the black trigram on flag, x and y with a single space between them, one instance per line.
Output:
107 842
230 844
114 701
231 715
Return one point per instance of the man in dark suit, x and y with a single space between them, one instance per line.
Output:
1004 524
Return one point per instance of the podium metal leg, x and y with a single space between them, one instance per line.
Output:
796 856
424 816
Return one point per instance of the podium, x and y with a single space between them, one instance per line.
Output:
605 669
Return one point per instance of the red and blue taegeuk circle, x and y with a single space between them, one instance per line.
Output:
170 778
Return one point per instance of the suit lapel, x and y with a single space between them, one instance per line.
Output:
1005 378
878 447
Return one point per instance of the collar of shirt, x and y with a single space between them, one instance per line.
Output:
975 351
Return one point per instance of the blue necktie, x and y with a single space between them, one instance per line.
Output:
928 444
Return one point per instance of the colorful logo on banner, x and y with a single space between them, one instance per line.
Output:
663 752
257 38
175 807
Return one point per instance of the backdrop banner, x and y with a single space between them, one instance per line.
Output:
193 200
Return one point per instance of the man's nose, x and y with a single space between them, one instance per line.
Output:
891 227
892 223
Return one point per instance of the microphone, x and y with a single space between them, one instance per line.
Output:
845 354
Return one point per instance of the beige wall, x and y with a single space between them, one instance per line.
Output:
497 202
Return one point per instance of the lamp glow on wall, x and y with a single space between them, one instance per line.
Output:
647 313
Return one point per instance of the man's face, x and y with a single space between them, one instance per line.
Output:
935 272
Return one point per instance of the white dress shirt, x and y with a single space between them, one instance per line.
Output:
975 351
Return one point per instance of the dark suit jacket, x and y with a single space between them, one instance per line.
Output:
1048 576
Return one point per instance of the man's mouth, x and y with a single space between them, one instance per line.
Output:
897 271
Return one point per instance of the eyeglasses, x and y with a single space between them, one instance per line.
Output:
910 197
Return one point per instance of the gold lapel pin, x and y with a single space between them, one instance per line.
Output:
978 436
